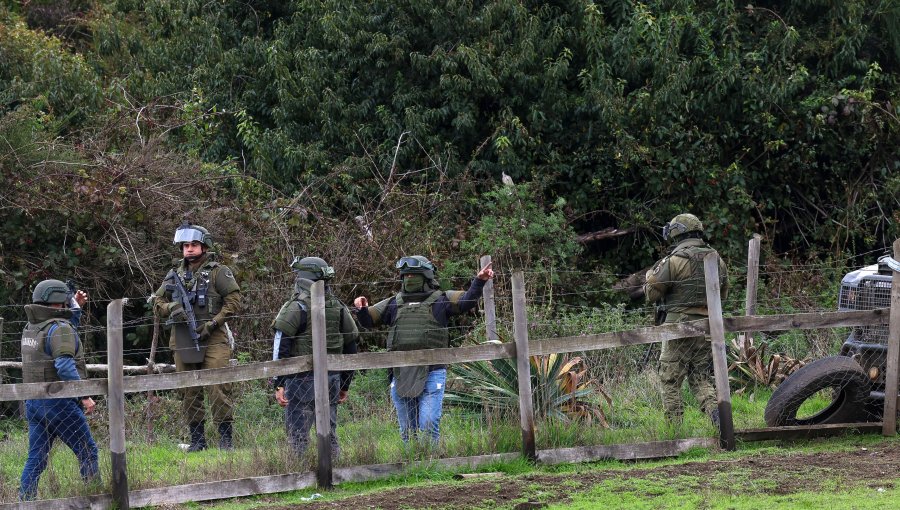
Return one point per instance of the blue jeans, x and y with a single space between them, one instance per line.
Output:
423 413
300 414
47 420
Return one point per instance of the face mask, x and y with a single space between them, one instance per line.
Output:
414 283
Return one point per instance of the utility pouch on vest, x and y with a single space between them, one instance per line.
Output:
410 381
185 348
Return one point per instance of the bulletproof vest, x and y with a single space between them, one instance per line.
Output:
334 339
37 360
201 287
689 293
415 326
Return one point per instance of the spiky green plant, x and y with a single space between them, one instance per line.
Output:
560 387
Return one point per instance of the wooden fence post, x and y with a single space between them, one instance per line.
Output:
116 401
720 361
752 286
490 309
889 421
324 473
523 365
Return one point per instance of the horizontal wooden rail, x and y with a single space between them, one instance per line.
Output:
101 368
807 431
206 491
483 352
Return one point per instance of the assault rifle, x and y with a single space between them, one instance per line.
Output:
180 295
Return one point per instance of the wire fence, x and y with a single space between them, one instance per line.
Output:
632 393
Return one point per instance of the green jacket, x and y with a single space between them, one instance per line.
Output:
677 283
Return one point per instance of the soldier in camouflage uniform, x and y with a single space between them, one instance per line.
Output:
677 285
293 337
214 296
52 351
418 317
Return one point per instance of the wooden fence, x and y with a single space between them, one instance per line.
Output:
115 387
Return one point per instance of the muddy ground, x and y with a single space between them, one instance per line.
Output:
872 465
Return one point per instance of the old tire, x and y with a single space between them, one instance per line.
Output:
851 387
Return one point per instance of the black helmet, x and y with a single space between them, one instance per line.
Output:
187 233
312 268
50 292
682 224
416 264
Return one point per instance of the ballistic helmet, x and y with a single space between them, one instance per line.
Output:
50 292
187 233
312 268
680 225
416 264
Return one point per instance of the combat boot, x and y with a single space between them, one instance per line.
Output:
225 436
198 436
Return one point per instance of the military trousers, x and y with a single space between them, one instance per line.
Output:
300 414
220 401
691 359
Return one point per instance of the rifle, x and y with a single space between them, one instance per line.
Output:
180 295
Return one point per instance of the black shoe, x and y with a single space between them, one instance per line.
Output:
225 436
198 437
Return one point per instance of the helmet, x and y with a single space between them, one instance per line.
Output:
680 225
416 264
187 233
50 292
312 268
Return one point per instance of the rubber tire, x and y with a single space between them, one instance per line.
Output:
840 372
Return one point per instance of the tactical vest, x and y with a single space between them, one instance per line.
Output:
206 300
334 339
37 360
689 295
415 326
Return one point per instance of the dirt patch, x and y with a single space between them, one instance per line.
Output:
872 466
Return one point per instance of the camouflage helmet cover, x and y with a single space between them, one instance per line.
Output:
50 292
187 233
684 223
312 268
416 264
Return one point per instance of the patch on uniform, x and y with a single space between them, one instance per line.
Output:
659 266
229 274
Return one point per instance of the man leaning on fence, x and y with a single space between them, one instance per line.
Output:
677 285
418 317
197 297
293 337
52 351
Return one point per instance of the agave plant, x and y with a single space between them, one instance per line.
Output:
560 385
751 365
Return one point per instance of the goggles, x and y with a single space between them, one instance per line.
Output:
673 228
187 235
413 263
324 273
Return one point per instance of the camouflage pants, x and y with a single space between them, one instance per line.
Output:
221 405
691 359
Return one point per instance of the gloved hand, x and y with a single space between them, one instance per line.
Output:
206 329
176 313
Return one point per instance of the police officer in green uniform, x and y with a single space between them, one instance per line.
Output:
52 351
201 291
418 318
293 337
677 285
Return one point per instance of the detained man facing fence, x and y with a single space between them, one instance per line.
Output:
52 351
677 285
418 318
293 337
197 297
